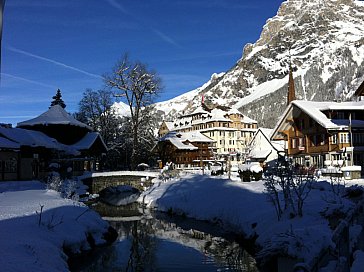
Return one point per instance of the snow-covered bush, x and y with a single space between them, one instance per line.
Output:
54 182
68 188
167 173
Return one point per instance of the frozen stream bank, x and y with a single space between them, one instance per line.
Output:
153 242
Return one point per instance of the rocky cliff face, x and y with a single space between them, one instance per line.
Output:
323 40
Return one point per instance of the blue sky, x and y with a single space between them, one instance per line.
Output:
50 44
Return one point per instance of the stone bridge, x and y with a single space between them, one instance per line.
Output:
99 181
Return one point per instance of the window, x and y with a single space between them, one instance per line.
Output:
323 138
301 142
11 165
344 138
334 139
294 143
314 140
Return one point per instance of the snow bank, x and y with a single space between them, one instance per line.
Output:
244 208
37 224
358 262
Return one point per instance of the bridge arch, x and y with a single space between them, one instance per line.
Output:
96 182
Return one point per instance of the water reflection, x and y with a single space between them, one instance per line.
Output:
146 243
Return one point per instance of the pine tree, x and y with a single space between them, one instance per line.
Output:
57 100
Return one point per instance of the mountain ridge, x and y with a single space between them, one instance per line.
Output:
323 40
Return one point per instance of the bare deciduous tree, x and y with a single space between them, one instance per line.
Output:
137 86
295 187
95 109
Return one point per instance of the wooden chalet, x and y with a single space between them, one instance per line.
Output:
316 132
26 152
185 149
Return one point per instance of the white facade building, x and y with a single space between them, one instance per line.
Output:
228 128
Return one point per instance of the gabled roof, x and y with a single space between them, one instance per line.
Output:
88 140
360 90
25 137
196 137
266 133
260 154
56 115
7 144
183 140
248 120
198 110
315 111
169 125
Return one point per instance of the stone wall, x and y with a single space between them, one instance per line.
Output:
97 184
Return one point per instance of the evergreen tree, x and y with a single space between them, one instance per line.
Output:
57 100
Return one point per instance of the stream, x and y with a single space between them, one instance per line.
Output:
158 242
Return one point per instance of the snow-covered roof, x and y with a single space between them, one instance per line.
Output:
196 136
56 115
183 140
260 154
315 111
25 137
7 144
234 111
170 125
248 120
199 110
88 140
256 152
266 131
217 114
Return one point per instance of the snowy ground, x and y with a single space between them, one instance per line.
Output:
243 207
33 243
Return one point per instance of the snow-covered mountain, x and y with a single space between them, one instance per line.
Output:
322 39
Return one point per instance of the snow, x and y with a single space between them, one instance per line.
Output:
121 109
88 140
5 143
351 168
119 173
359 3
29 243
25 137
244 208
183 140
358 263
262 90
56 115
315 110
